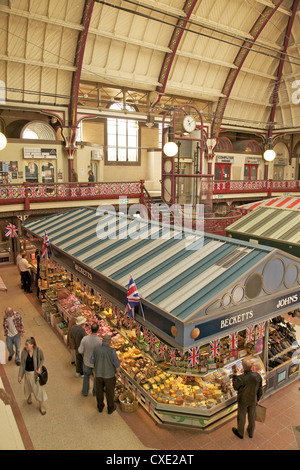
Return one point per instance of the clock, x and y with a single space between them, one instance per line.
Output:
189 123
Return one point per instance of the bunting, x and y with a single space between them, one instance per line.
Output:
214 348
172 354
233 340
193 356
249 333
260 330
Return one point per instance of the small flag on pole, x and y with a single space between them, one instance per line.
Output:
11 231
133 298
46 246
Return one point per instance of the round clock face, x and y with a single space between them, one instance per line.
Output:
189 124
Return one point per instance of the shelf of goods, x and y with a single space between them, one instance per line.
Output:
283 353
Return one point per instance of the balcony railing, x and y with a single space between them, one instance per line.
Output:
225 187
28 193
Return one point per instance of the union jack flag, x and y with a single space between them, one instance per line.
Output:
93 191
33 192
133 297
42 191
22 193
63 192
73 192
249 333
138 330
10 193
214 348
152 340
128 321
46 246
161 350
233 340
260 330
146 334
172 353
193 358
83 191
11 231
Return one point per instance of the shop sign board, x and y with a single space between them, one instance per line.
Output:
241 318
34 152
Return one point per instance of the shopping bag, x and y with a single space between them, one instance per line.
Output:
260 413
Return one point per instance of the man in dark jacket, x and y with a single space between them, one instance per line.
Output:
106 364
249 391
77 332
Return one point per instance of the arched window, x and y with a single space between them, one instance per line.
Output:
38 130
122 137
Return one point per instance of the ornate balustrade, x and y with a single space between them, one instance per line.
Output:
28 193
225 187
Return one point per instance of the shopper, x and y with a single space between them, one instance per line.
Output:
77 332
13 330
106 365
32 359
87 346
70 341
249 391
19 257
24 268
91 177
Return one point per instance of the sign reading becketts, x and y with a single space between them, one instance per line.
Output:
83 271
242 318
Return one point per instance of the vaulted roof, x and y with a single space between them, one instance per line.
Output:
238 60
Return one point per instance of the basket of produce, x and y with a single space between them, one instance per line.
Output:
128 402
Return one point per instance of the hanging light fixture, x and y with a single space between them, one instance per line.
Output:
269 153
170 148
3 141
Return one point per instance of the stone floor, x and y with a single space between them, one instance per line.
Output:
72 421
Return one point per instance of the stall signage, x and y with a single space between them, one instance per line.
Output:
224 159
34 152
246 316
83 271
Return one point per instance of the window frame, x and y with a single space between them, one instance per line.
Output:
122 162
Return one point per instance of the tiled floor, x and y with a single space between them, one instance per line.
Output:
73 422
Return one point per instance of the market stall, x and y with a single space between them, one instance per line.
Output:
206 303
278 227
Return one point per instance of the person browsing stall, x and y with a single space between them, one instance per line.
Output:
86 348
106 365
249 391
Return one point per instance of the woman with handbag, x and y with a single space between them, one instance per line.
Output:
32 359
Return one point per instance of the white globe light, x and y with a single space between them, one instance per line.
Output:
3 141
170 149
269 155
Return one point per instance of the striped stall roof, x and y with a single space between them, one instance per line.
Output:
167 272
278 224
285 202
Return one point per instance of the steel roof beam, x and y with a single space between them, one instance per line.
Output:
173 45
257 28
280 67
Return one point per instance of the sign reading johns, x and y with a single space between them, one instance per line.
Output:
243 317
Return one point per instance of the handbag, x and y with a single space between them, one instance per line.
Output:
43 376
260 413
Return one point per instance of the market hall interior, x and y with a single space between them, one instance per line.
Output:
73 422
